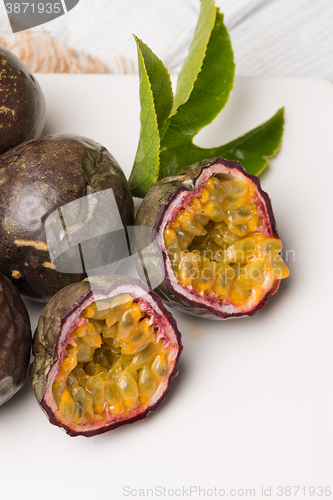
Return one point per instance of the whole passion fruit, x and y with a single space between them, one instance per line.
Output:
15 340
57 175
104 355
22 103
214 243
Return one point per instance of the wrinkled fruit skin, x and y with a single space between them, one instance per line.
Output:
155 262
59 318
15 340
22 103
36 178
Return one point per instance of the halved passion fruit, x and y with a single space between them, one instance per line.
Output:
104 357
214 241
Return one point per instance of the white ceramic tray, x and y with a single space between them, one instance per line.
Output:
252 405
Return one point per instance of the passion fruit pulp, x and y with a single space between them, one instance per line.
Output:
214 240
37 179
104 357
22 103
15 340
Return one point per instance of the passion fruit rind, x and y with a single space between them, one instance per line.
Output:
22 102
36 178
159 210
66 314
15 340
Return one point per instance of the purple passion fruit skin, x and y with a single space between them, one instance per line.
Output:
36 178
15 340
22 103
96 370
214 242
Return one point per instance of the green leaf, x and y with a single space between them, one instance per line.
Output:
146 164
205 82
197 50
160 83
209 95
254 148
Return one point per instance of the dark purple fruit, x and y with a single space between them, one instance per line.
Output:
22 103
104 357
15 340
37 178
213 250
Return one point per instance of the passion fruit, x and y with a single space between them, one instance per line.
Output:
15 340
105 355
46 176
22 103
214 241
